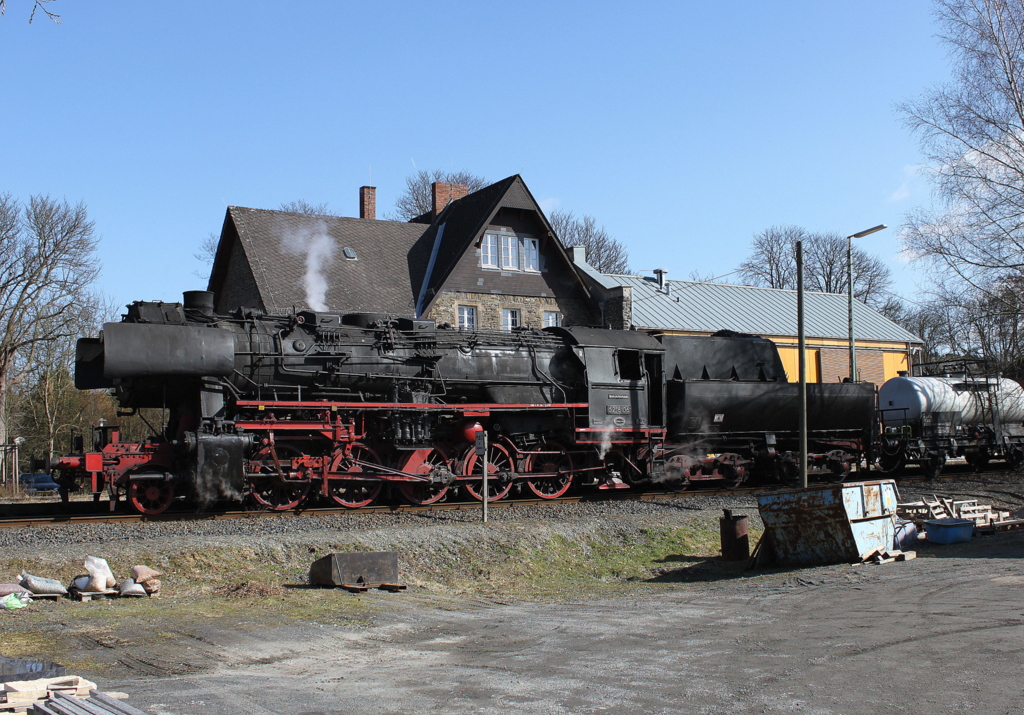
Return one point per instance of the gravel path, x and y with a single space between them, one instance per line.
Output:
384 530
29 540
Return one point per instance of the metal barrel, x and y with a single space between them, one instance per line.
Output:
735 542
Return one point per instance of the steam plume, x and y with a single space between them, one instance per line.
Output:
317 248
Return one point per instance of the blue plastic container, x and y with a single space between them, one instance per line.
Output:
949 531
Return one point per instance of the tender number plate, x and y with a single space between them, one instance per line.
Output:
618 410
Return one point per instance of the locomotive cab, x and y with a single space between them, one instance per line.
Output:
624 376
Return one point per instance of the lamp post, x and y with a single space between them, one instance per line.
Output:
802 360
849 282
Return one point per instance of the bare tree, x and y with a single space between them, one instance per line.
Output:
50 402
301 206
417 198
47 266
205 254
986 325
772 263
972 131
36 5
603 252
932 322
698 277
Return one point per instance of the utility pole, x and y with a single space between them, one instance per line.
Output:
802 347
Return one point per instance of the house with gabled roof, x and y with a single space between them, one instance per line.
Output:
485 260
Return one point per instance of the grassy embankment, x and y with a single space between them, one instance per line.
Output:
224 586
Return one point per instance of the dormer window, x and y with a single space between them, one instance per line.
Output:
506 250
509 252
531 255
489 251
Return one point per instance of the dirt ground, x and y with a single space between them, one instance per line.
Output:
941 634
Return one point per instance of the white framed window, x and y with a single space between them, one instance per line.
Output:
467 317
531 254
510 319
489 251
552 319
509 253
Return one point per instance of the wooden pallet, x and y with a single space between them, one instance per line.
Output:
879 556
48 597
20 695
941 508
94 595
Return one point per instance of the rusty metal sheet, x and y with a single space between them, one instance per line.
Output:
830 523
369 569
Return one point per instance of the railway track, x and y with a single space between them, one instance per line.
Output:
14 519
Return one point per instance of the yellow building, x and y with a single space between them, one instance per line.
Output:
660 306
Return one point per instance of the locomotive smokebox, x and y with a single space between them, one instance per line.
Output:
733 532
199 300
146 350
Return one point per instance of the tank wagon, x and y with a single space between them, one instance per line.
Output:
275 410
926 420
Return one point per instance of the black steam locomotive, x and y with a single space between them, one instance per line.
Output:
272 409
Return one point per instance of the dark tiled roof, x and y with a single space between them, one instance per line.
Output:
298 260
462 220
466 218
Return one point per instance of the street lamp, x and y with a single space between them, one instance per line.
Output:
849 280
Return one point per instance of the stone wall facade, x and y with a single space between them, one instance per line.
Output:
445 309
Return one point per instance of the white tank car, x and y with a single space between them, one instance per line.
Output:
968 396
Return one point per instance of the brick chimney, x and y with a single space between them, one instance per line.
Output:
368 202
444 194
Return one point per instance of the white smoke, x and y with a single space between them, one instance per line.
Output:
321 251
606 444
317 248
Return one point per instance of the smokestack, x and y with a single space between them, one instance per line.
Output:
368 202
200 300
660 275
445 193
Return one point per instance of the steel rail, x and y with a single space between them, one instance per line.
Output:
8 522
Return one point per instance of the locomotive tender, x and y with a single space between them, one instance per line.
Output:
275 409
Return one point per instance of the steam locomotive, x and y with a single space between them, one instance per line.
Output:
275 410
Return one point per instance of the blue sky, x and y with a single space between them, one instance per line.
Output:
683 127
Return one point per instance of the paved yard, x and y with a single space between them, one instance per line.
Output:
941 634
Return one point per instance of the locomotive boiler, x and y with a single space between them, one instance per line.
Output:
275 410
